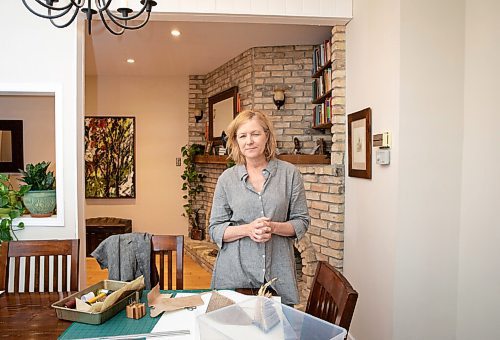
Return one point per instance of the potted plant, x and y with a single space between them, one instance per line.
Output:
40 200
10 208
192 185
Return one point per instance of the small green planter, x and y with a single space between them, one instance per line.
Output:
40 203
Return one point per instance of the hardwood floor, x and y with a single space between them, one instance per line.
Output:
195 277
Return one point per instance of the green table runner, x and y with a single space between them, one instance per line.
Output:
119 324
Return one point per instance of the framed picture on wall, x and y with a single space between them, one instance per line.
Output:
11 145
109 157
359 132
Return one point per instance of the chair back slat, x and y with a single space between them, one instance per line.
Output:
4 265
41 250
164 246
46 273
17 264
332 297
36 287
64 271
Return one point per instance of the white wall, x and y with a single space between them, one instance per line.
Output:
479 277
39 53
160 106
372 53
420 236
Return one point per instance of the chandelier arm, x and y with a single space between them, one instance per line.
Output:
67 23
117 17
105 5
126 26
108 27
55 16
52 7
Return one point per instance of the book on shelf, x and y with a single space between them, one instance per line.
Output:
321 55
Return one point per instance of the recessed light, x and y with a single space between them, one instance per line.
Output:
175 33
130 61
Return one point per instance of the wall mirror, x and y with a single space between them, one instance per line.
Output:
11 145
222 108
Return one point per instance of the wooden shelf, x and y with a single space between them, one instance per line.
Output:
210 159
305 159
294 159
326 126
319 72
321 99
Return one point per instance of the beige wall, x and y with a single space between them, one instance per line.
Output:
479 277
160 106
37 114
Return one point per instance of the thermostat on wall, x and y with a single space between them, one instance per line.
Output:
383 156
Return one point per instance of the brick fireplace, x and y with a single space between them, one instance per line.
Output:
257 72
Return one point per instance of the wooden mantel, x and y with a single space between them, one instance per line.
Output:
294 159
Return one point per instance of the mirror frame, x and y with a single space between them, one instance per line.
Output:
229 93
16 129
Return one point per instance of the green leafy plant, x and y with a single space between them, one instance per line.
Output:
10 208
192 183
38 177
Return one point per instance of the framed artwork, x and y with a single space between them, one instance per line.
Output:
359 132
109 157
11 145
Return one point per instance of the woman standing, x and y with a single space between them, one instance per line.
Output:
259 208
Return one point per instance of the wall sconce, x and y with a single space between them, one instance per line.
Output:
279 98
198 115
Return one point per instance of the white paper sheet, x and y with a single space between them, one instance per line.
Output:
186 319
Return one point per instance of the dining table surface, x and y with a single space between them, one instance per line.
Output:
31 316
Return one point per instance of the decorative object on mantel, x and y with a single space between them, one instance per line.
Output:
40 200
125 19
10 208
192 185
359 133
279 98
296 143
109 157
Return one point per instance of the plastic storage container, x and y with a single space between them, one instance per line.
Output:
94 318
263 318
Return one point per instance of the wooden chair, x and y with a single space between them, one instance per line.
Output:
41 251
332 297
164 245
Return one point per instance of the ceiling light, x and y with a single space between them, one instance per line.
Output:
175 33
130 61
68 11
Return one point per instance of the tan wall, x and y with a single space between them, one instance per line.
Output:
160 107
37 114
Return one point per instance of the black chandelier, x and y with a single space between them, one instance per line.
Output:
121 19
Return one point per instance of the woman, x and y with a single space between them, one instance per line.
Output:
259 208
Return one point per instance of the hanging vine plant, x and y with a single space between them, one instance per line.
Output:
192 185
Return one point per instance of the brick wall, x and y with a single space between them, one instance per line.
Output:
257 72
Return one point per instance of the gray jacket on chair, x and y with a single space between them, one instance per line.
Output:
127 256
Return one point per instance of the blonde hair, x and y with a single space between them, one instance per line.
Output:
242 118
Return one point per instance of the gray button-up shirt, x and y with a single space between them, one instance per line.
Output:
247 264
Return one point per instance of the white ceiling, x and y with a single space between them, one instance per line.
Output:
202 46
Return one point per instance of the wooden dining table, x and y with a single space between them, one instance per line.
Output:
30 315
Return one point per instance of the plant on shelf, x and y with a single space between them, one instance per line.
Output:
192 185
10 208
41 199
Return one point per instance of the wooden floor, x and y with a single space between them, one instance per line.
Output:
195 277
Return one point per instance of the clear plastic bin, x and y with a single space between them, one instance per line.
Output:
262 318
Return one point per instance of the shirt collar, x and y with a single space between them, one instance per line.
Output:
268 170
